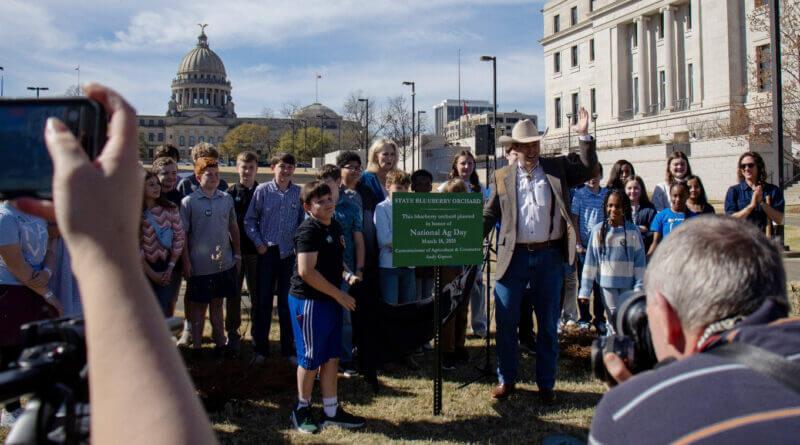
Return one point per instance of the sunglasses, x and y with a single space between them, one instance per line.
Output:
748 165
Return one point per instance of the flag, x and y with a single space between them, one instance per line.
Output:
77 68
319 76
465 107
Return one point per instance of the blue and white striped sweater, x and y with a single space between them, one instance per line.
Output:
620 266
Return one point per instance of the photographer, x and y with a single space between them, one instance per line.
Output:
716 302
139 388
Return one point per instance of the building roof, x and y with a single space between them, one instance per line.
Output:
315 110
201 59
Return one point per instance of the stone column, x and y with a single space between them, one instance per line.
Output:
669 57
641 42
697 31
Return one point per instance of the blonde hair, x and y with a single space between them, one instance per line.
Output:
372 157
398 177
456 185
204 150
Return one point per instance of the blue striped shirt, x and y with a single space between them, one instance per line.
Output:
620 266
588 207
273 216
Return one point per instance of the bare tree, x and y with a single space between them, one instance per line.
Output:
759 118
356 111
74 90
267 112
396 116
289 108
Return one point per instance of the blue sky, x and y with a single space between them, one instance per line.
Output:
272 50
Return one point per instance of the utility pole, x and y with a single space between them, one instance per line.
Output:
777 95
37 89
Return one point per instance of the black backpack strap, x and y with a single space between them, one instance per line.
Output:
764 362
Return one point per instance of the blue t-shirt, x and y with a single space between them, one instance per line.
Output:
29 232
589 208
739 196
348 215
667 220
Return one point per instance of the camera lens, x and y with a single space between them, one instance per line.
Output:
73 115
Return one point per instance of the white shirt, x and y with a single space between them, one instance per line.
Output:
534 199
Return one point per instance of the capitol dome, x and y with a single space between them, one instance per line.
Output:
200 86
314 111
201 59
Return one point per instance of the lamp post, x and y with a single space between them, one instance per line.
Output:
413 93
493 59
777 96
569 132
594 119
37 89
419 146
321 134
366 122
1 81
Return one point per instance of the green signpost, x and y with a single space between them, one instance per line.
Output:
437 229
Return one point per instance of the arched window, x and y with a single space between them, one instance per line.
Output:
200 139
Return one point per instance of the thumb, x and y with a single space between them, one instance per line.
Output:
65 150
616 367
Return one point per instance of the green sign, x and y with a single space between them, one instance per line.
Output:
437 229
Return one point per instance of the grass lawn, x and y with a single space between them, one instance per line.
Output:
251 404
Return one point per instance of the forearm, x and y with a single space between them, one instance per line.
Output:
358 243
744 213
656 239
774 214
235 240
127 320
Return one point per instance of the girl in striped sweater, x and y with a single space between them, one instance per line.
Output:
615 257
159 255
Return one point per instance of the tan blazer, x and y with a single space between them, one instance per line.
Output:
502 203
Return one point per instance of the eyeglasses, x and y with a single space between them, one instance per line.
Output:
355 169
748 165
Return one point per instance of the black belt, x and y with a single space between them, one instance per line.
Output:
542 245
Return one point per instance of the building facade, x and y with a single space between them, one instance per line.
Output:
201 109
649 71
464 127
451 110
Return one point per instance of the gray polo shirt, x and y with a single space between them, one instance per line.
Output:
205 221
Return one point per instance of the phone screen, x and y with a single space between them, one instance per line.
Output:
25 165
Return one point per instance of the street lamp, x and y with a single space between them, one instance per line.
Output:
1 81
494 118
419 147
366 122
413 93
594 119
321 134
37 89
569 132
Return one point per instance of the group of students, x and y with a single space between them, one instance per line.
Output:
620 227
306 245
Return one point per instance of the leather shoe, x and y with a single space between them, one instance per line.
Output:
502 390
547 397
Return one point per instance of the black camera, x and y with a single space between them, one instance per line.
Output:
632 341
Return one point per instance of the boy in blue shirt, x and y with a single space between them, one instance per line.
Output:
348 215
587 211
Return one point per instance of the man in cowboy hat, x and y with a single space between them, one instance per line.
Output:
530 198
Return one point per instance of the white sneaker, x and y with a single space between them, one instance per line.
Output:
9 418
186 338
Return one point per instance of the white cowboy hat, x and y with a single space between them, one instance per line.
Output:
524 132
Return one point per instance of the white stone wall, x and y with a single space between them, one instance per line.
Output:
713 160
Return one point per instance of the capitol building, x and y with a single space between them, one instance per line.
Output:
201 109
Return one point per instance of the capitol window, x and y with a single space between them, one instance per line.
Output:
183 141
191 140
211 139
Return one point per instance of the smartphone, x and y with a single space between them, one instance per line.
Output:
25 165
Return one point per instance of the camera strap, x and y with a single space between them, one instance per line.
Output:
762 361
